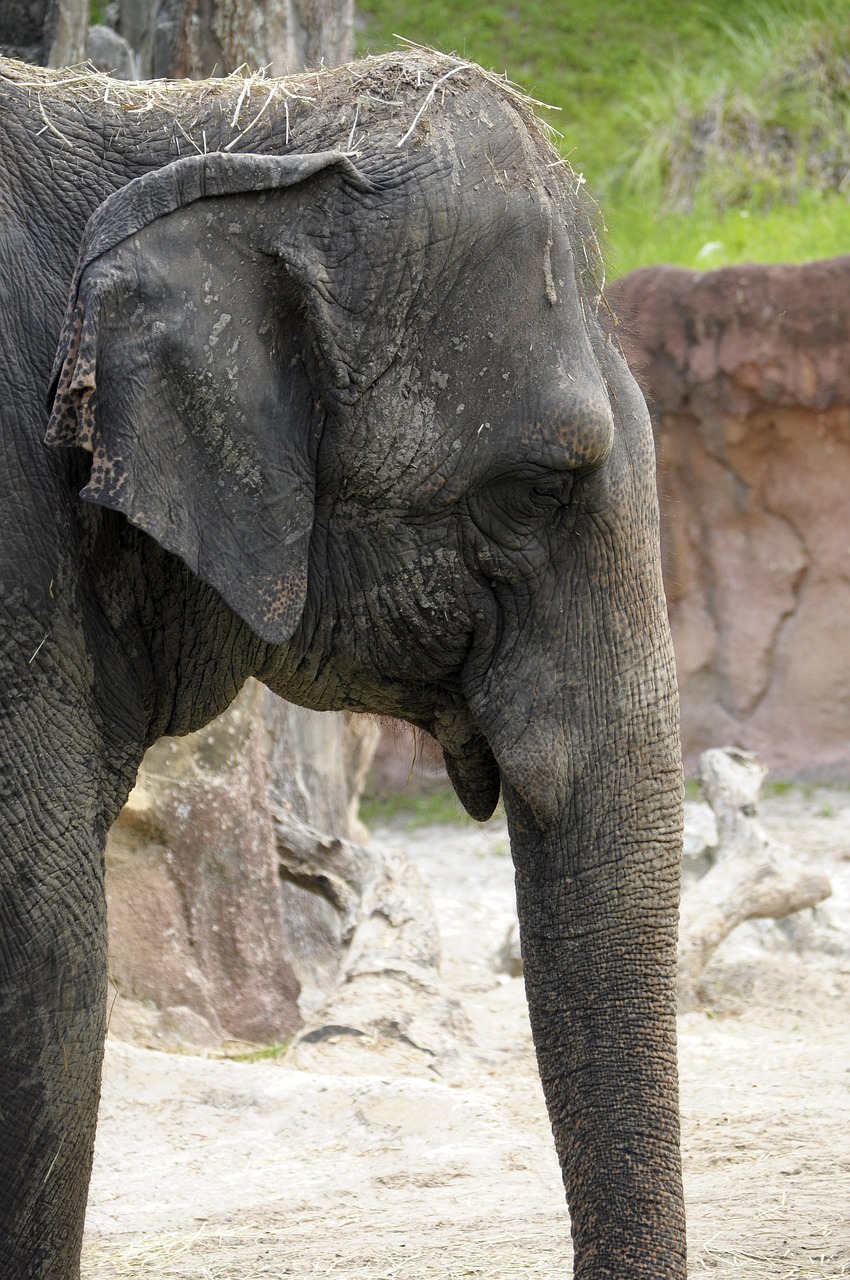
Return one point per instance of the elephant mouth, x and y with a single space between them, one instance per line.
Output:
477 781
470 763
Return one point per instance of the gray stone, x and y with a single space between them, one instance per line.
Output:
109 52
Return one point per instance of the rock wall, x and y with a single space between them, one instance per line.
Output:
234 880
747 373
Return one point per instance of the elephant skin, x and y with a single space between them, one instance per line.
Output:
331 404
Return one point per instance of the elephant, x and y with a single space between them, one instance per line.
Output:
309 380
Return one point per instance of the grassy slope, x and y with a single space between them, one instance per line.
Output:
595 60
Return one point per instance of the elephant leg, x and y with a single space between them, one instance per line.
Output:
52 1013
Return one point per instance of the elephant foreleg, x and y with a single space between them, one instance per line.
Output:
52 1023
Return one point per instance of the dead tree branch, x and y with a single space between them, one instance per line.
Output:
752 876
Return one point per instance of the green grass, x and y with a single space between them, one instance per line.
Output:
627 75
781 787
271 1052
815 227
581 58
761 127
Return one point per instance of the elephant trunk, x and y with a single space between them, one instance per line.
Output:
592 786
598 927
580 710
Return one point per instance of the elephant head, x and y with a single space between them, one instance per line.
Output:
368 399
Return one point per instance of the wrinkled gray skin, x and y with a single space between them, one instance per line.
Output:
349 425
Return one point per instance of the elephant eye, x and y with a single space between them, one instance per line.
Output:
513 508
538 496
553 494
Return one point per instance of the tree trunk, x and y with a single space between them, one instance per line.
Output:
51 33
199 38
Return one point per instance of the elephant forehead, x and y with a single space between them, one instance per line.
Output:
431 459
544 402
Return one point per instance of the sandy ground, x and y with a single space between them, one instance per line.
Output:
375 1161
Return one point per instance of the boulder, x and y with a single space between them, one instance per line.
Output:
109 52
197 931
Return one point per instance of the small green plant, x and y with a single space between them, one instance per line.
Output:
764 125
826 810
271 1052
411 809
779 787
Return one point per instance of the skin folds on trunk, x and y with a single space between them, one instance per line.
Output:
597 881
598 956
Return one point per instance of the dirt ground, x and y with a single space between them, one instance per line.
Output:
372 1160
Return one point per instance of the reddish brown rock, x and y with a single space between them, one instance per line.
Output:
197 931
747 372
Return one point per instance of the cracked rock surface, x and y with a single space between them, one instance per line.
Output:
748 381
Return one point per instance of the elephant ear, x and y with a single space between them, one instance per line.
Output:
183 368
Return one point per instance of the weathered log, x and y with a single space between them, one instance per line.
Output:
389 984
751 877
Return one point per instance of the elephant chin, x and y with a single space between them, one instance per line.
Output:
477 781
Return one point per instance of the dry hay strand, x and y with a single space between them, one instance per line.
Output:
243 95
530 107
711 1261
88 85
174 1255
415 66
238 112
353 1248
346 1249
